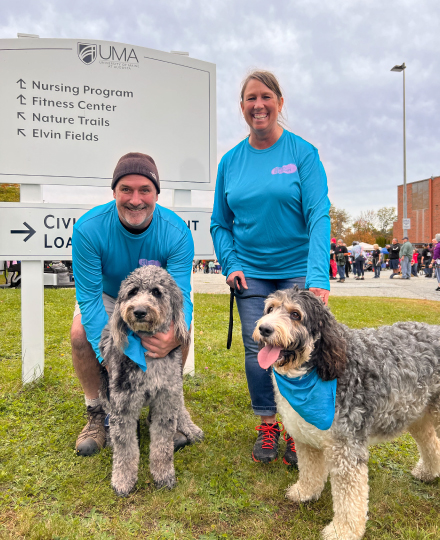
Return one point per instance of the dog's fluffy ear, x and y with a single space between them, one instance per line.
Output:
118 329
330 348
182 335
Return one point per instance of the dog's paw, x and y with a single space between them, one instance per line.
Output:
167 482
122 490
335 531
421 472
300 493
196 434
123 482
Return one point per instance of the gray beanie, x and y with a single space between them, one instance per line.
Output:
136 163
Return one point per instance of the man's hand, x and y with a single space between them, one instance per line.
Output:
230 279
320 293
159 345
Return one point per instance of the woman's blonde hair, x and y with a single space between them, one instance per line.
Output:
375 246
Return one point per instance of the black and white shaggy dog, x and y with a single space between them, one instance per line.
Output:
388 382
148 301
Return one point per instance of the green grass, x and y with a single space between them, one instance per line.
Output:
47 493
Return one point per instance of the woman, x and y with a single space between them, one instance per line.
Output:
436 260
376 260
358 254
415 263
270 206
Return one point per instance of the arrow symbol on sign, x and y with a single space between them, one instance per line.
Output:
21 81
21 97
30 231
21 132
20 115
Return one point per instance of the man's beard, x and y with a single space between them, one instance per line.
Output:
138 225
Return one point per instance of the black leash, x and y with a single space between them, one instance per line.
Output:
237 291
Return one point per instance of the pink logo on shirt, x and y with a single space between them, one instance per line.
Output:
287 169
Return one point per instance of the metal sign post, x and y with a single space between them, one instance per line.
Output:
70 109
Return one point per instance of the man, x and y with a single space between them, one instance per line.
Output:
341 254
108 243
347 262
405 254
426 259
394 250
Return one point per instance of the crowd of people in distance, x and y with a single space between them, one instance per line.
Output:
402 259
207 267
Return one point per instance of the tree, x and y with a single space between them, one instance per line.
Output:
386 217
364 227
339 222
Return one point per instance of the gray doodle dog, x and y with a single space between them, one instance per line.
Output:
149 299
339 390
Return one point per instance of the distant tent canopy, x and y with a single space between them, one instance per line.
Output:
364 245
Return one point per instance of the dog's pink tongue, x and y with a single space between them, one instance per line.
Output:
268 355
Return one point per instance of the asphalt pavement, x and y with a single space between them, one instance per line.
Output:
416 288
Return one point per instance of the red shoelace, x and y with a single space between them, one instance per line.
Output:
269 433
290 442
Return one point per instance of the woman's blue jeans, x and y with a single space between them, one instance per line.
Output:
259 380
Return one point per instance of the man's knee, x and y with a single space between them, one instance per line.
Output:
78 337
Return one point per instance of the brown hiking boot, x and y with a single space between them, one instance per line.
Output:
92 437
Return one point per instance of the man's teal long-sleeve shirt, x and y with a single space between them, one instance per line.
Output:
104 253
271 212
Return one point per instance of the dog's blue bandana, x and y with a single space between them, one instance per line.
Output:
135 350
311 397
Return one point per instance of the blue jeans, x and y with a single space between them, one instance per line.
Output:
376 270
341 271
405 264
359 262
259 380
428 271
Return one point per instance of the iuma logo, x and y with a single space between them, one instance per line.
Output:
87 53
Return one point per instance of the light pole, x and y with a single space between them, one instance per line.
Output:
399 69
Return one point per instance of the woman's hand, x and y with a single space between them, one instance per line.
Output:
320 293
239 274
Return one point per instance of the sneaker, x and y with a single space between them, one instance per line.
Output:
362 277
290 457
92 438
438 289
341 281
332 277
180 440
266 447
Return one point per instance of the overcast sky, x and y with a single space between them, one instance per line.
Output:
333 60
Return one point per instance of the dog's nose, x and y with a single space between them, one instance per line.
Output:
139 313
266 330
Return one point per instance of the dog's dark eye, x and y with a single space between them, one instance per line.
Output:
270 309
295 316
133 292
155 292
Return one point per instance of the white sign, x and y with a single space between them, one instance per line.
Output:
71 109
406 223
44 231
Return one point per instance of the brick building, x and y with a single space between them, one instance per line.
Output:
423 208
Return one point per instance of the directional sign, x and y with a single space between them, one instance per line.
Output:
29 231
44 231
72 109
